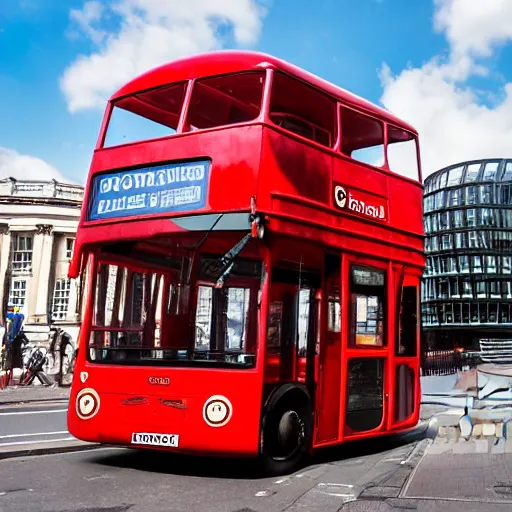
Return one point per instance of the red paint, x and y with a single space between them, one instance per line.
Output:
290 180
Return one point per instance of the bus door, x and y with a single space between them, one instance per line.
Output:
405 364
291 332
328 397
365 345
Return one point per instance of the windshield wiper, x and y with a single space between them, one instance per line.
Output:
225 264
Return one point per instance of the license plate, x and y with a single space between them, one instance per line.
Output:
147 438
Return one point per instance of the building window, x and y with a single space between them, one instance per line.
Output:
470 195
466 288
457 219
446 242
471 217
70 243
473 242
491 169
477 264
455 197
508 172
494 287
444 221
18 293
455 175
480 289
507 264
439 200
486 194
491 264
61 299
454 287
472 172
22 253
464 263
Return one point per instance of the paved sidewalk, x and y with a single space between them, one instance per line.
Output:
19 394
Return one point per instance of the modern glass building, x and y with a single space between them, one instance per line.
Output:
467 288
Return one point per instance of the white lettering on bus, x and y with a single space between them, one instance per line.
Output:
138 180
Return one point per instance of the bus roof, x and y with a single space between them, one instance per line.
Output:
235 61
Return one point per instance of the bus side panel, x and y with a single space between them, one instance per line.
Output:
293 168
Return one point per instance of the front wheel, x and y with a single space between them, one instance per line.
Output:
286 437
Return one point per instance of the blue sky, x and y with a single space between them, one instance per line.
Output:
442 65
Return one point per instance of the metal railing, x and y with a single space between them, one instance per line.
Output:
448 362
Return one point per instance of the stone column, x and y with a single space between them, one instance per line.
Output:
5 254
42 262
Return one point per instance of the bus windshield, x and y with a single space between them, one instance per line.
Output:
173 316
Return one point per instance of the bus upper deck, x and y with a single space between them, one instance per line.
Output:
232 132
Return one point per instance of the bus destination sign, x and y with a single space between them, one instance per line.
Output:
361 203
162 189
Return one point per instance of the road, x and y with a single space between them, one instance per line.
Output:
380 475
117 480
33 424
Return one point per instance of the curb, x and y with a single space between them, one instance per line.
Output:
34 401
73 446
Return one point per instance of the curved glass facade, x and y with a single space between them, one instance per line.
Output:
467 287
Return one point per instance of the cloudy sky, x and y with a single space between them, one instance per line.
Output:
445 66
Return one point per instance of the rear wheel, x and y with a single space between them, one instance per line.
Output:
286 436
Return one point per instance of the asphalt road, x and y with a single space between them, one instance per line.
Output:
33 424
117 480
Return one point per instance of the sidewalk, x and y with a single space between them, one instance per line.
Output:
19 394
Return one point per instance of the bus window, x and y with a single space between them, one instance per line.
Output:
124 312
146 115
226 100
303 110
362 138
367 291
406 341
204 317
227 310
402 153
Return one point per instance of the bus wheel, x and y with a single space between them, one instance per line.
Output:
286 437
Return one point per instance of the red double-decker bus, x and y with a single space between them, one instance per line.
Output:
250 247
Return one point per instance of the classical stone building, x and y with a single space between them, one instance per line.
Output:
38 222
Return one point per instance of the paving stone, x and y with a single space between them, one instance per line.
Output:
508 430
453 434
477 430
437 449
489 429
498 446
481 446
464 446
499 429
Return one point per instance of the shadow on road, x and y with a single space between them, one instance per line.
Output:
244 469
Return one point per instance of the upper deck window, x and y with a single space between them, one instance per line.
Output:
303 110
226 100
362 137
146 115
402 153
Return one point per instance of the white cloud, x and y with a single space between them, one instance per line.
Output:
454 122
132 36
25 167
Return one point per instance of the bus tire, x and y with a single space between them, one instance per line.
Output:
287 433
